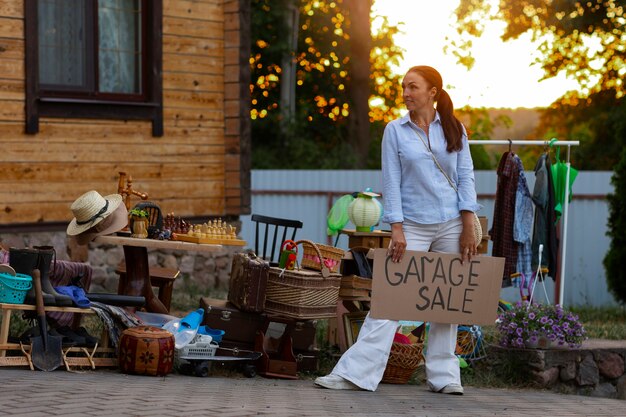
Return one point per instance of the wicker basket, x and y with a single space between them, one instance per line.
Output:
301 293
330 256
403 361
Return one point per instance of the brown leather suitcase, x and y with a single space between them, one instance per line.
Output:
248 282
239 326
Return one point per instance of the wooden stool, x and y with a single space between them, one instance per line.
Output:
162 278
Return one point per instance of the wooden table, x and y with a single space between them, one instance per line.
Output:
374 239
137 270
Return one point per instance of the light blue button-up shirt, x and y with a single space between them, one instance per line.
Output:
413 187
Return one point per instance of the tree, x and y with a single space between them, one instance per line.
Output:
614 259
359 31
584 40
335 67
480 127
598 122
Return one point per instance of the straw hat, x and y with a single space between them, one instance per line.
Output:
90 209
115 222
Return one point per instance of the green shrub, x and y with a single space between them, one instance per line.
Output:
614 259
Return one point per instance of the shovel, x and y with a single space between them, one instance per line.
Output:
45 349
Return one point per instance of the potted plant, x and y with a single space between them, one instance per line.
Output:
539 326
138 223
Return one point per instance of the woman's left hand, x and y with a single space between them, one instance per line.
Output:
467 242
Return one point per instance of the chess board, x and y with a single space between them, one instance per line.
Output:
209 241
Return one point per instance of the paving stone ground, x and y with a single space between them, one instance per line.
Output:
110 393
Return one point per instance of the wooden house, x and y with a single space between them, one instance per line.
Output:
155 88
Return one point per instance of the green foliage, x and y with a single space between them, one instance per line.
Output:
317 137
583 39
480 126
137 212
614 259
598 122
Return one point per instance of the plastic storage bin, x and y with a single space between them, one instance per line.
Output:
13 289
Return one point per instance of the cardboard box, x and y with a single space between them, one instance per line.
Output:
428 286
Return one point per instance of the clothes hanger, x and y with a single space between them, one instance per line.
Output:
550 145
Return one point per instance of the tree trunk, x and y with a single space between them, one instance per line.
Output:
359 89
288 66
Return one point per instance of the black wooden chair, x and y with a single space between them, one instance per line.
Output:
270 233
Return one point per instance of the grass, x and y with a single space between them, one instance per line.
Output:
603 323
186 297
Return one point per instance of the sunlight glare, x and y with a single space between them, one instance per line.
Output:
503 75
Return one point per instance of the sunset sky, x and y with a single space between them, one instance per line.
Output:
502 75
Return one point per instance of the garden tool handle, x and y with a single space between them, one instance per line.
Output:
38 292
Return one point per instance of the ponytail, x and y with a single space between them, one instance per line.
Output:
452 127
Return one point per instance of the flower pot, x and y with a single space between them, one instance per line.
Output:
535 325
543 342
139 227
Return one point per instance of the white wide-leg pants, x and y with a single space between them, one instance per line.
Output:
364 362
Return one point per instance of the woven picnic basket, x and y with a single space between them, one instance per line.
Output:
302 293
330 256
403 361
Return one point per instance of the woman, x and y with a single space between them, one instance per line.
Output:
426 214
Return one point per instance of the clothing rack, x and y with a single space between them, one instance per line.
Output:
569 144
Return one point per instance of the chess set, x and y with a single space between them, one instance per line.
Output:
215 232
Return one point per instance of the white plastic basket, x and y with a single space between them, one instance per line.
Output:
201 347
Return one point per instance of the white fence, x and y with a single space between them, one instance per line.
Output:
308 195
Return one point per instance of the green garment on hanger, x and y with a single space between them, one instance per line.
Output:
559 173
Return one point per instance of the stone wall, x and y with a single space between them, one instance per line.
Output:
207 270
596 369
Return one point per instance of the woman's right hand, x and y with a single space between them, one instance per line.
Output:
397 246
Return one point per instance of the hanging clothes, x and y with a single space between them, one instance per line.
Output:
501 231
545 217
523 223
559 174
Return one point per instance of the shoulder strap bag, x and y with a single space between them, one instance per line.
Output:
478 230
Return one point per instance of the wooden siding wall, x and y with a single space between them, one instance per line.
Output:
195 169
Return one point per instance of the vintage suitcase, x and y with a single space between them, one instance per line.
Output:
239 326
248 282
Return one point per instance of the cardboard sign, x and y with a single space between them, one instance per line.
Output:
436 287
